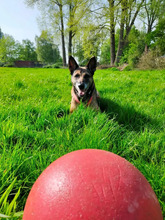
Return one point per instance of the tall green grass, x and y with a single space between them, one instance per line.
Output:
36 127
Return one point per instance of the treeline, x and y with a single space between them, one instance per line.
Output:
45 52
116 31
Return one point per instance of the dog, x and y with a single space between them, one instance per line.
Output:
83 86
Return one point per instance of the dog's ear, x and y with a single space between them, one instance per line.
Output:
92 65
72 64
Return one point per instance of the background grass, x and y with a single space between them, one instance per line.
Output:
36 127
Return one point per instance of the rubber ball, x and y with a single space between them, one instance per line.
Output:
91 184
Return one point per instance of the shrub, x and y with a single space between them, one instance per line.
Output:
151 60
105 56
160 62
9 64
128 68
56 65
48 66
1 64
131 54
114 69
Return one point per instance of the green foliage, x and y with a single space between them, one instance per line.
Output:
56 65
47 51
7 49
152 60
36 128
79 53
9 64
10 50
88 43
158 36
114 69
105 52
134 48
91 42
27 51
1 64
1 34
86 26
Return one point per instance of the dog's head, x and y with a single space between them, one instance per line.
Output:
82 77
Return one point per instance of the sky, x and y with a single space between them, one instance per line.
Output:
18 20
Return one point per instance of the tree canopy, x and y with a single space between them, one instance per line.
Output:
86 26
46 51
115 31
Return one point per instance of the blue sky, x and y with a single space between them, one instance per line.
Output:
18 20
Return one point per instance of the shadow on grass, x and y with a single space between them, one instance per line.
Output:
127 115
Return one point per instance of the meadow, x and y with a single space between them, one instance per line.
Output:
36 127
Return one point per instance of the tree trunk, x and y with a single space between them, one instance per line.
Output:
70 43
70 30
149 29
62 37
112 31
121 36
120 45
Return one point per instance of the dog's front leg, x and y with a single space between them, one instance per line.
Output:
73 105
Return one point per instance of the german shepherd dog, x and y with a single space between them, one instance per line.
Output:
83 86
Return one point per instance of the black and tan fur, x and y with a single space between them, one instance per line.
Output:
83 86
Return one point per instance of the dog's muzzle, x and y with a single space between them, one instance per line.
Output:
81 89
81 86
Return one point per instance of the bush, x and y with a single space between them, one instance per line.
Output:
151 60
9 64
114 69
128 68
56 65
47 66
160 62
134 48
1 64
131 54
105 56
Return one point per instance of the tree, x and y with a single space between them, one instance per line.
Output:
112 30
87 42
79 52
1 34
47 51
134 48
27 51
78 10
70 24
105 55
64 16
150 15
158 36
128 15
55 10
7 49
117 12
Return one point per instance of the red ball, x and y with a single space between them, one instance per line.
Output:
91 185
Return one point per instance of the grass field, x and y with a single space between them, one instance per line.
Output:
36 127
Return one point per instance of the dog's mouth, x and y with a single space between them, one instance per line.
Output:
82 93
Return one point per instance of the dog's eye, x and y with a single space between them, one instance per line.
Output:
77 75
86 76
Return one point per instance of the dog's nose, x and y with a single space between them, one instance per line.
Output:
81 86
